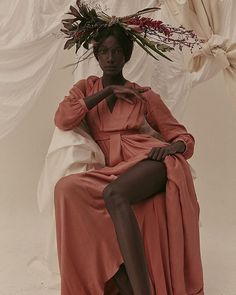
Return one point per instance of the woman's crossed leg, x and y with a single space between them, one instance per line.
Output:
138 183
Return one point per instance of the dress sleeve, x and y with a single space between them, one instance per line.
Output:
160 118
72 110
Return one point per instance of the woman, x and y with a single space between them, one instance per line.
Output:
135 221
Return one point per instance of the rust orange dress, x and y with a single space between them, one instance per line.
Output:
88 249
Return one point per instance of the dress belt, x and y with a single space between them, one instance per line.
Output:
114 138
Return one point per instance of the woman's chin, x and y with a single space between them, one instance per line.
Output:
111 72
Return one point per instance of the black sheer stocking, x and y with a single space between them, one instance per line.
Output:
138 183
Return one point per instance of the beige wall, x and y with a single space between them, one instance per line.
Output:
209 117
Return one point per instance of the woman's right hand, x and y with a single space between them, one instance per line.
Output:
127 93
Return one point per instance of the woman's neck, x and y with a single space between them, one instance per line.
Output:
113 80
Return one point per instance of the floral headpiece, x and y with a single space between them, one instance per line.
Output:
153 36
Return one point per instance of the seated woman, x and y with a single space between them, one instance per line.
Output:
135 221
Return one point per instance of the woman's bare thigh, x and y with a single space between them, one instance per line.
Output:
141 181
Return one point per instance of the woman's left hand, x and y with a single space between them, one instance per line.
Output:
159 153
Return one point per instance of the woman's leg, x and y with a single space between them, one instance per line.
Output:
121 280
140 182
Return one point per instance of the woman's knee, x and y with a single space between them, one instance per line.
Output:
114 197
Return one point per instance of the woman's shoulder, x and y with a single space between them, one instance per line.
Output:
87 81
86 84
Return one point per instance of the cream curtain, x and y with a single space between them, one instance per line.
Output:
29 48
213 21
28 51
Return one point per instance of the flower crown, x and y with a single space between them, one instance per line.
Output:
153 36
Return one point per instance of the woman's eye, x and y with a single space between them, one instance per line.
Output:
102 51
118 51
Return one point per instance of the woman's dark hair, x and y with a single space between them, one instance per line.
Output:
126 43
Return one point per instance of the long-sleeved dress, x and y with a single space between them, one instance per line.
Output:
88 249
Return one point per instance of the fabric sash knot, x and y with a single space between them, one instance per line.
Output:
115 142
218 47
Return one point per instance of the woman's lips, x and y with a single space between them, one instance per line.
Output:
110 68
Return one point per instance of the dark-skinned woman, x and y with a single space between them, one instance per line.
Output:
135 221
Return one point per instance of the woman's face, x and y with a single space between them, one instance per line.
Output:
111 57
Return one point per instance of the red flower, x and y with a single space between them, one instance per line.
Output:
146 23
78 34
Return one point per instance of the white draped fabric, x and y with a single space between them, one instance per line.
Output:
29 48
69 152
213 21
28 51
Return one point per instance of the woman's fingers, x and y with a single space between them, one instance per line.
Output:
154 153
138 92
151 153
130 93
159 153
143 89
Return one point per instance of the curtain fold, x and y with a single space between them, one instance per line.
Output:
29 46
214 22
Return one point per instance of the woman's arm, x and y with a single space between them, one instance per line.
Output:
74 107
160 118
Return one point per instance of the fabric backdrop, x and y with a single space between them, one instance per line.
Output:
213 21
29 46
28 51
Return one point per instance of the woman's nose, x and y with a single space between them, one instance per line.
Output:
110 57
